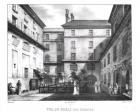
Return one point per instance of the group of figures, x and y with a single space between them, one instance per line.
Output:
78 82
14 90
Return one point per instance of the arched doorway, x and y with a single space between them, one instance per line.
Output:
91 79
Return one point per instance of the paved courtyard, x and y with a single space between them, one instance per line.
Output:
66 97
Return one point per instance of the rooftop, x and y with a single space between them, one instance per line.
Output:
87 24
35 17
53 30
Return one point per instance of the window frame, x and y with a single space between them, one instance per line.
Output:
47 46
73 33
73 56
47 58
91 32
73 45
90 44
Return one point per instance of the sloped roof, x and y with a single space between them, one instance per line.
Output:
33 15
53 30
101 47
87 24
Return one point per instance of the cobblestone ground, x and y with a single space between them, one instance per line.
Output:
67 97
84 96
29 97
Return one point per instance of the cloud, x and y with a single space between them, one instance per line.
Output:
54 15
42 12
85 13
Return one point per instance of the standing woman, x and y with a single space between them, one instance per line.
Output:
76 87
18 88
76 83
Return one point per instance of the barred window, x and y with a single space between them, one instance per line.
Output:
90 66
73 66
108 32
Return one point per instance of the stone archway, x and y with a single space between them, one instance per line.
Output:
91 79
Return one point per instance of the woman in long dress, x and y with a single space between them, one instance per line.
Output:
76 87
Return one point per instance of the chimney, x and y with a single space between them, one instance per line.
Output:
72 16
67 15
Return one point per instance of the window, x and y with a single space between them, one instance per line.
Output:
47 58
33 34
125 45
25 29
105 80
102 65
90 32
73 66
126 8
47 68
47 47
14 63
90 44
14 20
35 50
46 37
108 56
114 27
73 32
37 36
59 46
25 64
34 62
108 32
90 66
73 56
26 46
15 40
73 45
25 17
114 53
60 35
90 56
14 7
26 72
104 62
34 25
59 58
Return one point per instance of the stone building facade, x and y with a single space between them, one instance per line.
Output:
54 51
116 60
25 48
80 39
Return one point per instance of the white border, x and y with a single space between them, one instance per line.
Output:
45 106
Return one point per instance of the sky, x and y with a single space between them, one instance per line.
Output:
54 15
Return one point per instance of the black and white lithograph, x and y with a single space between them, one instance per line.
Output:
69 52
